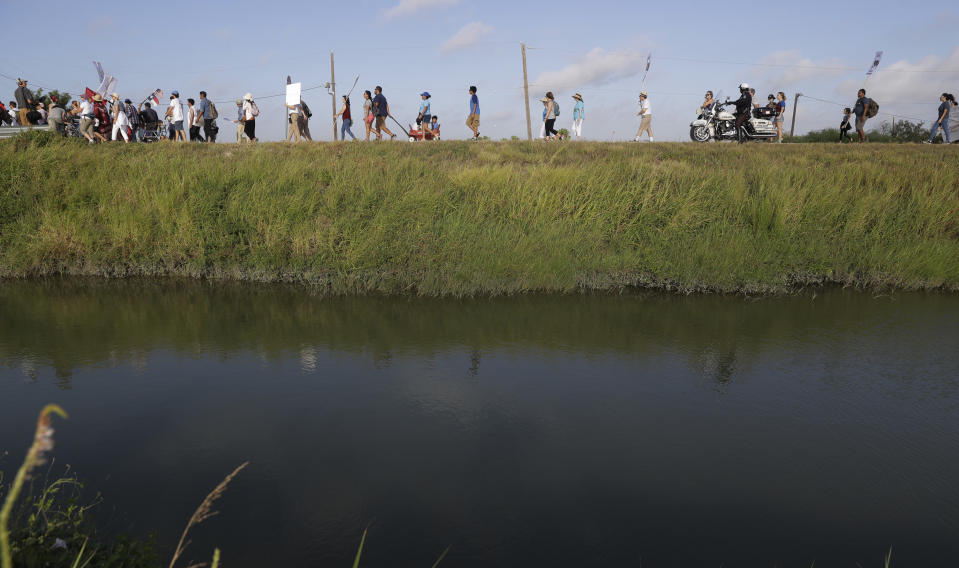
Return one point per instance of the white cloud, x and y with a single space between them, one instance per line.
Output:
786 68
409 7
468 36
598 67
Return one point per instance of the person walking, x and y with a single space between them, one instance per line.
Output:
579 113
206 109
24 100
305 116
345 128
550 120
381 107
120 121
175 112
294 121
250 112
239 121
86 118
861 110
947 101
102 117
424 115
542 126
646 117
473 120
844 126
133 118
368 116
196 121
780 114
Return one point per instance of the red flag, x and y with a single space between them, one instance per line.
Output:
88 94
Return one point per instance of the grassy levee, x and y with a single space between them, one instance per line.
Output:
457 218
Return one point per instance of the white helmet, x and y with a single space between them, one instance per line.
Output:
743 86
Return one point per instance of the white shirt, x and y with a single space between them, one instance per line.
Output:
645 105
248 110
122 119
86 107
294 110
177 109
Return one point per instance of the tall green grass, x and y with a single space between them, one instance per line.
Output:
456 218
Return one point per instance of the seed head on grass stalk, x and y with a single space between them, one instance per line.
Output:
36 456
202 513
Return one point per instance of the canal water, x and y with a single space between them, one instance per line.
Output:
633 430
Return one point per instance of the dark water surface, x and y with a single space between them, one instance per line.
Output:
553 431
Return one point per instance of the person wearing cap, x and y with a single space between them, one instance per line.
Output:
424 116
24 100
250 112
239 121
175 113
579 113
347 115
646 114
120 120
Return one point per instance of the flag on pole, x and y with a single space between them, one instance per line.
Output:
99 69
649 59
875 63
155 97
88 94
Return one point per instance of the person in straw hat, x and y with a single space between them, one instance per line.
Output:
102 116
579 113
646 113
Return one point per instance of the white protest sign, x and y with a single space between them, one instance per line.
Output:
293 93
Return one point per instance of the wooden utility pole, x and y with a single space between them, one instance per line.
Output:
333 87
529 125
792 130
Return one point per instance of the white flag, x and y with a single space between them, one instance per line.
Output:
99 69
875 63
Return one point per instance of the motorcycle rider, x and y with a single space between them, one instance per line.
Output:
744 106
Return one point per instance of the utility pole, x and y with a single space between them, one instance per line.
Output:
529 125
792 130
333 86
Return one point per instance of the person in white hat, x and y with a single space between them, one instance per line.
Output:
239 121
579 113
250 112
645 111
121 123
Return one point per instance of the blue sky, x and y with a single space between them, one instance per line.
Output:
596 48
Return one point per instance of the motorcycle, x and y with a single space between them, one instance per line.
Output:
716 123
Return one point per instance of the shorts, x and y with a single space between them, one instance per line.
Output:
647 120
860 122
178 126
777 120
472 121
380 122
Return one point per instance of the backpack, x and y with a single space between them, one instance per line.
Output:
213 113
555 108
873 109
306 109
256 109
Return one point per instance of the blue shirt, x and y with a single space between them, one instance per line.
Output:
425 107
474 102
579 110
379 102
782 107
204 106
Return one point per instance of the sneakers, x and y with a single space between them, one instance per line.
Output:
926 142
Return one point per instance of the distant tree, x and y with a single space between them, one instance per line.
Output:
904 131
63 99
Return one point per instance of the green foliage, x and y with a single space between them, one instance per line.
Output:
63 97
904 131
459 218
57 510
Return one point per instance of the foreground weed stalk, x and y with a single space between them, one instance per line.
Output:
42 443
203 512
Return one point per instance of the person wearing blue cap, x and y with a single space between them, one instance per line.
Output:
424 114
175 113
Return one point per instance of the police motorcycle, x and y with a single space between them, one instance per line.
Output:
717 123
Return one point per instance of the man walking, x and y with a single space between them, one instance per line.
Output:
861 110
294 119
473 120
175 112
205 108
136 125
381 109
239 121
25 101
305 115
646 120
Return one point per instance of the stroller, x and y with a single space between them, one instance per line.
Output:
152 132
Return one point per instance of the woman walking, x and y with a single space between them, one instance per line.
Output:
579 113
947 101
250 112
368 113
347 119
102 116
780 114
550 121
120 120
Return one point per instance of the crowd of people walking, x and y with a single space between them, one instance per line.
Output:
98 119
